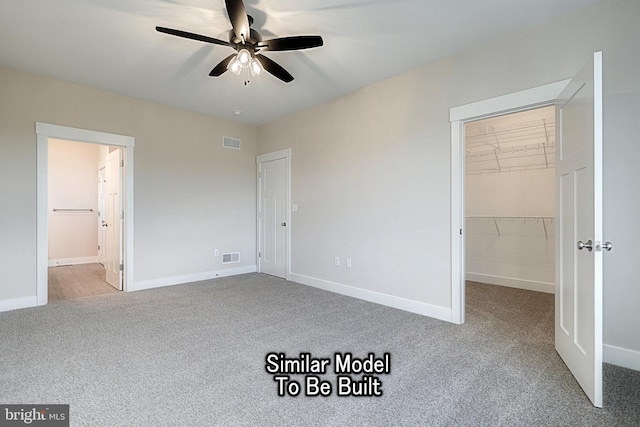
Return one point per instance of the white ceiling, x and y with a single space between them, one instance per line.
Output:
113 45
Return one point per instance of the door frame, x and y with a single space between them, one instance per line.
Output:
517 101
268 157
46 131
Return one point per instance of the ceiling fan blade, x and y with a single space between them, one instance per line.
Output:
275 69
192 36
238 17
219 69
291 43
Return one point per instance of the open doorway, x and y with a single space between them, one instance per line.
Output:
510 200
518 101
79 239
122 218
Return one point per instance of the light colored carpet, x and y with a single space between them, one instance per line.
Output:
195 355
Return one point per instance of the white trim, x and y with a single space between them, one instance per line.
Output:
42 225
188 278
511 282
510 103
44 131
268 157
275 155
84 135
457 220
16 303
623 357
73 261
440 313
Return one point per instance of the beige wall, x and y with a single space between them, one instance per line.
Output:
191 194
371 170
73 184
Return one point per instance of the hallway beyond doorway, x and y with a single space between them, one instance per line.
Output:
77 281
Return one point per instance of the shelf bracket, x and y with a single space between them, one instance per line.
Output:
544 225
495 136
495 222
495 154
544 147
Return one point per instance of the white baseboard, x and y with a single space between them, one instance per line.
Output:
511 282
73 261
16 303
178 280
440 313
623 357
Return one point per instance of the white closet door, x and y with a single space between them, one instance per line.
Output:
578 312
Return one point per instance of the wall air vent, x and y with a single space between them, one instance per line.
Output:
231 258
231 142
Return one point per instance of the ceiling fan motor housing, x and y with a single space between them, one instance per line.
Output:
252 41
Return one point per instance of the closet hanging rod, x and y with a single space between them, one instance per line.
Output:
72 210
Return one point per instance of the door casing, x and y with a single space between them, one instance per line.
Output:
518 101
44 131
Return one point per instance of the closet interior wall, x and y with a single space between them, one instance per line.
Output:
510 200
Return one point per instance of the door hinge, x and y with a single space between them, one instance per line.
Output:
98 247
122 215
259 174
259 254
121 163
461 231
121 267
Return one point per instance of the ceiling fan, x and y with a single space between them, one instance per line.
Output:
248 43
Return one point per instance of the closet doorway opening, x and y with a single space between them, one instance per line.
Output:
509 200
510 205
84 230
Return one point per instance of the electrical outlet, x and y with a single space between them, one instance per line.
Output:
348 262
216 252
336 261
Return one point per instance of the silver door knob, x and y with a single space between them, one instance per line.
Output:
607 246
588 246
284 224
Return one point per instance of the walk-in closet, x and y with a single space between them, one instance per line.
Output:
510 200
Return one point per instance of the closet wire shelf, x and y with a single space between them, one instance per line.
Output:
514 147
511 225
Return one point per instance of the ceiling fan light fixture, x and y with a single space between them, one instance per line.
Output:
234 66
244 58
256 67
247 42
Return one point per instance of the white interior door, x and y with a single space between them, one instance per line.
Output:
578 312
113 219
101 215
273 218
